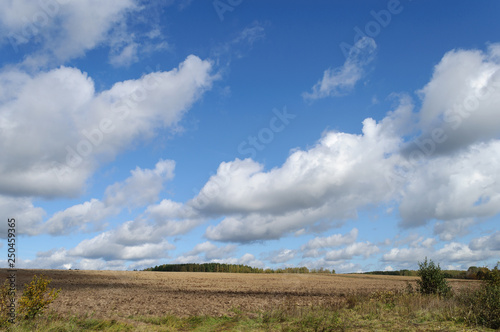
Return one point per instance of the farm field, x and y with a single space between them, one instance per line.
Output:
115 294
124 295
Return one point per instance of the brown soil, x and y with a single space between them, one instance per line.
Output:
118 295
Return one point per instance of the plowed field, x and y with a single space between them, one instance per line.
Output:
118 295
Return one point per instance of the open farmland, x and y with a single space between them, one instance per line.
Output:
119 295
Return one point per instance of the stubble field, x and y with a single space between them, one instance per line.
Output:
118 295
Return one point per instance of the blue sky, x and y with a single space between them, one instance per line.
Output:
348 135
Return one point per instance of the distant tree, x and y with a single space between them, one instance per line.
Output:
472 272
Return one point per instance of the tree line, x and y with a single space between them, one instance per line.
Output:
231 268
473 273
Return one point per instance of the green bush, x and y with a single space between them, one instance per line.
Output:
36 296
492 277
482 306
432 280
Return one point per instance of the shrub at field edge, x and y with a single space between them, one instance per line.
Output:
35 298
432 280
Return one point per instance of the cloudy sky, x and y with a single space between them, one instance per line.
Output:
354 136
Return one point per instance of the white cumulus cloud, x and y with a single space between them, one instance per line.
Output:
73 128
